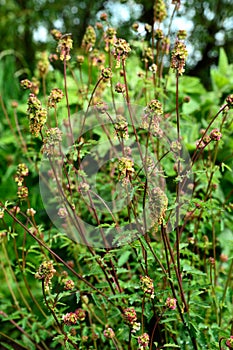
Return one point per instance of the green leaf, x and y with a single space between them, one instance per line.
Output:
223 62
124 258
171 346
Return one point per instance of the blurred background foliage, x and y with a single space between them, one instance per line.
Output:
25 27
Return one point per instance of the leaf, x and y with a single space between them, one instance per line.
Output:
171 346
223 62
124 258
77 297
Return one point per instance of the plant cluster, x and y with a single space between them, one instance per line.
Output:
116 201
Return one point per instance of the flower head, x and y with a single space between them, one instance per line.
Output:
143 340
147 285
229 342
160 12
121 50
69 285
31 212
65 44
229 100
81 314
179 55
215 135
171 303
70 318
55 97
158 202
46 272
89 38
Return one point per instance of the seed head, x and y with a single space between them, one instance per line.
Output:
182 34
121 127
159 34
103 16
109 37
154 108
69 285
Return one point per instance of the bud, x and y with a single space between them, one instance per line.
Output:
109 333
31 212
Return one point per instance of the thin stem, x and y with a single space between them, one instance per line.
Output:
41 243
67 102
178 174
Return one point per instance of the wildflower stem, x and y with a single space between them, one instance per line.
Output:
67 101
